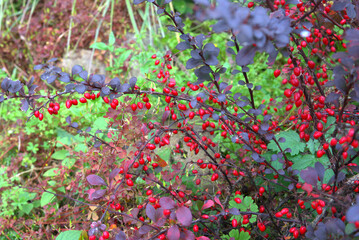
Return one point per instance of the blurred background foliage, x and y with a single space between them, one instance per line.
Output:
32 32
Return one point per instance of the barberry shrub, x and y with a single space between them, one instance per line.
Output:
277 170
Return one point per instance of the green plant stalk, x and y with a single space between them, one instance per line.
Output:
149 25
1 12
33 6
134 25
146 23
111 21
70 27
105 8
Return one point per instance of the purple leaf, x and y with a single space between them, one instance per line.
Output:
310 176
144 229
95 180
173 233
234 211
167 203
150 212
187 235
98 194
184 216
120 236
353 214
113 174
76 69
320 170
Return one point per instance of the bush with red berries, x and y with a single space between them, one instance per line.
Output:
277 170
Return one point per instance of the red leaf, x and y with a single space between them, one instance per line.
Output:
203 238
173 233
216 199
207 204
95 180
165 116
184 216
90 192
307 187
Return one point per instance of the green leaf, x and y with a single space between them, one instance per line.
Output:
234 233
68 162
164 153
111 39
313 146
46 198
51 172
247 204
349 228
69 235
244 236
26 208
292 141
60 155
329 173
62 189
330 121
100 124
301 162
99 46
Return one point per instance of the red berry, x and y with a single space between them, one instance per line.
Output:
320 153
333 142
148 105
296 234
37 113
68 103
311 64
302 230
41 116
195 228
317 134
129 182
250 4
93 237
288 93
276 73
234 223
113 105
74 102
134 107
157 62
105 235
83 100
319 210
87 95
118 206
166 212
262 227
